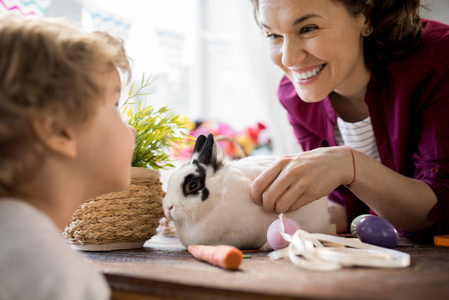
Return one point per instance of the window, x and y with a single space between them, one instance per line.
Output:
207 58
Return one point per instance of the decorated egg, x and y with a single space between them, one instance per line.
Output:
376 231
274 236
354 224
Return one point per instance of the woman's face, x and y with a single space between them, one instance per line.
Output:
318 45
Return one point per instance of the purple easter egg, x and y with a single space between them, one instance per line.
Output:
376 231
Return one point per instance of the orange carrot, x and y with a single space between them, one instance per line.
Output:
226 257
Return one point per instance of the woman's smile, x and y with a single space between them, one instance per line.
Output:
302 76
318 45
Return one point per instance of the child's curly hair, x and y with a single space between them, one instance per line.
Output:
47 67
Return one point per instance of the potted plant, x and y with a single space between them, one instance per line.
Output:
126 219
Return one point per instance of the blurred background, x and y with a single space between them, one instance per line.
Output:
207 58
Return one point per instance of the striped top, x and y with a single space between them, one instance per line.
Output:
359 136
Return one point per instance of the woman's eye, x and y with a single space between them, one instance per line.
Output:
308 29
271 36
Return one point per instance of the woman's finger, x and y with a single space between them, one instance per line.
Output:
263 181
278 189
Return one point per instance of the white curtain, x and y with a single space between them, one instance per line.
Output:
239 82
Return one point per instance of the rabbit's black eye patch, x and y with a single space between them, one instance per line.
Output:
204 194
192 185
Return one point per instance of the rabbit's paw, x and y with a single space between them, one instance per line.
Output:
266 247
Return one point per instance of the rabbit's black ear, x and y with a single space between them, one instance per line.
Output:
208 154
198 147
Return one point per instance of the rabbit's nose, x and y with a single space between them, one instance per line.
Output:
168 213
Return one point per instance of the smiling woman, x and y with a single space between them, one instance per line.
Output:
299 46
349 80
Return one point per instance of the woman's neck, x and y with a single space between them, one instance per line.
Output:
349 103
350 109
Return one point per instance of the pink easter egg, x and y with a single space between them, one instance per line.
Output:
274 236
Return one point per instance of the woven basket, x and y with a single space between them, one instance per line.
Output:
119 220
237 145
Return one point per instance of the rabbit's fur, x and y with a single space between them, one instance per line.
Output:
209 201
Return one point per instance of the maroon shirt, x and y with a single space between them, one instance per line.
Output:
409 110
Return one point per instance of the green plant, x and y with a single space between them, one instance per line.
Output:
157 130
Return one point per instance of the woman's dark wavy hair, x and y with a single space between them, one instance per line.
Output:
397 27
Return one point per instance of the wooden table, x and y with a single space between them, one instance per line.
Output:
164 269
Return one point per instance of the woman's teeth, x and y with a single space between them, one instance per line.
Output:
308 74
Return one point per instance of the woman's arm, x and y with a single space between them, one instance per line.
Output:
405 202
296 180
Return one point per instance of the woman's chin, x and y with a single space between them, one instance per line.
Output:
310 96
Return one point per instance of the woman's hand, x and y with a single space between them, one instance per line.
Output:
295 180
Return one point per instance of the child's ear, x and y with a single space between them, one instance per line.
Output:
55 136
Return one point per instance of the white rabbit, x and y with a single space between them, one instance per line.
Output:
209 201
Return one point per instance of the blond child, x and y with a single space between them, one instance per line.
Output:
62 141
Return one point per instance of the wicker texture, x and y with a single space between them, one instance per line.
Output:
128 216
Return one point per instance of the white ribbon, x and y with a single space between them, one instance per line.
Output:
306 251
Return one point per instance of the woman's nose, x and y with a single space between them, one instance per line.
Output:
292 52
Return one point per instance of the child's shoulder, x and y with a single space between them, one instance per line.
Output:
34 256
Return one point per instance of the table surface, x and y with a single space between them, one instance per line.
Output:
163 268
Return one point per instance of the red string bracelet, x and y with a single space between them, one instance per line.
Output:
353 163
